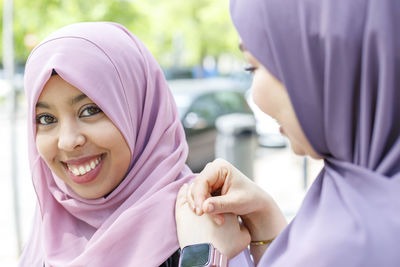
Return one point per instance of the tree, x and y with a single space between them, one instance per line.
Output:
175 31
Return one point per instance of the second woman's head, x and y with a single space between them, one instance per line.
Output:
325 65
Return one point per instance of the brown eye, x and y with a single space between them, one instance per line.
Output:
45 119
90 111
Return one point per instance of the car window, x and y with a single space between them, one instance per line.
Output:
206 107
231 102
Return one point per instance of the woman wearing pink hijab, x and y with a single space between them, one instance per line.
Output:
107 152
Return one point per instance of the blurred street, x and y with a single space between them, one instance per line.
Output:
278 171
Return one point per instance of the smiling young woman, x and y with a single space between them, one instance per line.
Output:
107 152
78 141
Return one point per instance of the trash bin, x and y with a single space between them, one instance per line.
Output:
237 141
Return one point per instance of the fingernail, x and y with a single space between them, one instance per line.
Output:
210 207
218 220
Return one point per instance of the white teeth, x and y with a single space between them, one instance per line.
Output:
75 171
83 169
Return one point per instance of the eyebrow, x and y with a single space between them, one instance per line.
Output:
41 105
74 100
78 98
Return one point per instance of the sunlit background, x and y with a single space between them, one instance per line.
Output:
197 47
180 34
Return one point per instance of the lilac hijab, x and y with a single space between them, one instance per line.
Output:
340 62
134 225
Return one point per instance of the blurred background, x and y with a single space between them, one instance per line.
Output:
197 47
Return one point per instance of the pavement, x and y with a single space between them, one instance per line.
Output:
278 171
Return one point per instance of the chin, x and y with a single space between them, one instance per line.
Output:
296 149
89 195
302 152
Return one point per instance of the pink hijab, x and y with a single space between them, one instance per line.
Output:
134 225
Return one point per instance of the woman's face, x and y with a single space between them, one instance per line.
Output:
272 98
78 141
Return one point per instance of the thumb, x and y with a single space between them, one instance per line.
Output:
219 204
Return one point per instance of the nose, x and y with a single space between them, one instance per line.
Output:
70 136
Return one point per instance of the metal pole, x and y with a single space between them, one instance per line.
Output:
8 64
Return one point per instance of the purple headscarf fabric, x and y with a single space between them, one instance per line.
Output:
340 63
134 225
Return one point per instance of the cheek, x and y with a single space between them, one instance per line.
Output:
261 95
123 157
109 136
106 135
120 155
45 147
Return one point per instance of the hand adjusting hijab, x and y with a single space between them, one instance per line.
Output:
134 225
340 62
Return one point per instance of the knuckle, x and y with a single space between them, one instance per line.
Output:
223 164
209 165
196 180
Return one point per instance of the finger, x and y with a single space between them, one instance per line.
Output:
209 180
227 177
220 204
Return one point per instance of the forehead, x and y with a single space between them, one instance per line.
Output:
57 90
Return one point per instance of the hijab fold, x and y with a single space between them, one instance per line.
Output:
340 63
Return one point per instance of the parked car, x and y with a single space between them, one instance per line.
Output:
200 102
178 73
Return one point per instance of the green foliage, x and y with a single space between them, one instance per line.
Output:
175 31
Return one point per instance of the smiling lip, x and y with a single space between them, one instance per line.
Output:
71 167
